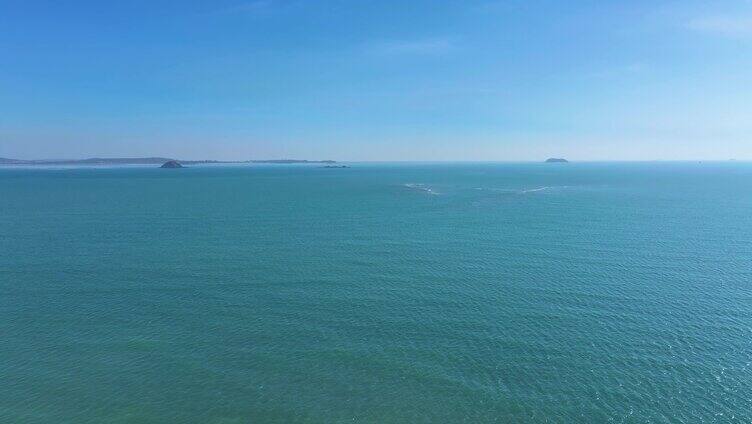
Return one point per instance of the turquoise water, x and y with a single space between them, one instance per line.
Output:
383 293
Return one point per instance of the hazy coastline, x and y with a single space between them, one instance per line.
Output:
150 161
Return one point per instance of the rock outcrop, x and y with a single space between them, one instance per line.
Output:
171 164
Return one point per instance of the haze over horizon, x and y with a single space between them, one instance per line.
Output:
352 81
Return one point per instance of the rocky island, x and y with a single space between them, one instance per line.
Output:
171 164
556 160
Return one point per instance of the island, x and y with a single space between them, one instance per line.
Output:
151 161
556 160
171 164
335 166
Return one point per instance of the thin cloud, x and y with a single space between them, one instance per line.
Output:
433 46
731 26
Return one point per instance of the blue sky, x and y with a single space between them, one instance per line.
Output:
376 80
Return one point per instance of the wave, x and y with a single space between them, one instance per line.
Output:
420 187
533 190
517 191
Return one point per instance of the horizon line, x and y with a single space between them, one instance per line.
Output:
240 161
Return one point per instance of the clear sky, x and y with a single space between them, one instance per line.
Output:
376 80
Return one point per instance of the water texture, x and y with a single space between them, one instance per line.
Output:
382 293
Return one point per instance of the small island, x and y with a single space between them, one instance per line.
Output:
335 166
556 160
171 164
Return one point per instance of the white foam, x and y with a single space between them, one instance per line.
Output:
533 190
421 187
516 191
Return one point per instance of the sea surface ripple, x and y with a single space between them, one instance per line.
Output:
382 293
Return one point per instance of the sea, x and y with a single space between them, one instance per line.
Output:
379 293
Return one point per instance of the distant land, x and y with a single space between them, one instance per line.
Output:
144 161
172 164
556 160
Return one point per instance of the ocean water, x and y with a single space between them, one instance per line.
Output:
383 293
